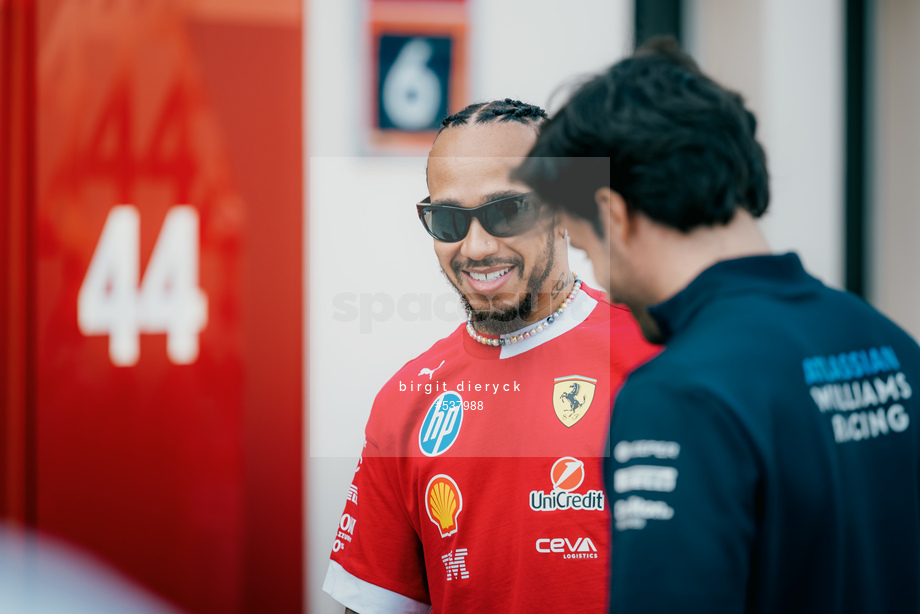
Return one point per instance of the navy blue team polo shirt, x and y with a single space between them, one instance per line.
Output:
767 460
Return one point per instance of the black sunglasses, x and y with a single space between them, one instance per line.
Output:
504 217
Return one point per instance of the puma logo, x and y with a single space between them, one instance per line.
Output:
430 372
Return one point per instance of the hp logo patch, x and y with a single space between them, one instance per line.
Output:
441 425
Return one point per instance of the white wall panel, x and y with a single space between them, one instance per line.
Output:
894 270
786 57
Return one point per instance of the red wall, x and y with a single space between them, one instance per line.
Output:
181 465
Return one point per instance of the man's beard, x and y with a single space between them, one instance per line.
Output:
496 320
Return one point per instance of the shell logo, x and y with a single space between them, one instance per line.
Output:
568 473
443 502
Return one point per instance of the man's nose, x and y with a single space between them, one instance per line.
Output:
478 243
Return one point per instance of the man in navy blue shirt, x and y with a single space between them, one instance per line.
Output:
767 460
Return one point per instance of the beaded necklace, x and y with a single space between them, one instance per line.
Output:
507 338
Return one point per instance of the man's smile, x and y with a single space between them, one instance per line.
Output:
487 279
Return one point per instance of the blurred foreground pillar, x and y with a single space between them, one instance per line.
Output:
17 64
152 290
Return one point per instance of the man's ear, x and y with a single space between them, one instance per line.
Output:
560 222
614 214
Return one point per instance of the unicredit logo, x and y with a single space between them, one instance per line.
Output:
566 475
561 500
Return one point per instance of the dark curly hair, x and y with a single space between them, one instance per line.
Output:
673 143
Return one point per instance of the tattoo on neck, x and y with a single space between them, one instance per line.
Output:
559 286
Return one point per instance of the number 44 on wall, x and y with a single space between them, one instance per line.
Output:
168 300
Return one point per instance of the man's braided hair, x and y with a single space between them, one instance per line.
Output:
506 110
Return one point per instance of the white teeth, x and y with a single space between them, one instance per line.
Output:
490 276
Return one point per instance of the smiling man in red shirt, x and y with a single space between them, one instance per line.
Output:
480 487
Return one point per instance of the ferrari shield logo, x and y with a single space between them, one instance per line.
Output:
572 396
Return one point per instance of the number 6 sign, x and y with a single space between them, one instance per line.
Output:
419 70
415 85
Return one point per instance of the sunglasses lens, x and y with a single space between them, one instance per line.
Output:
504 217
446 225
510 216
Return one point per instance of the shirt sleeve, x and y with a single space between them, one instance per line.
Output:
377 559
682 479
